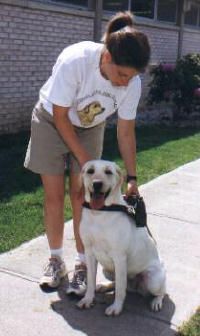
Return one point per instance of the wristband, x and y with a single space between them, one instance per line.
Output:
130 178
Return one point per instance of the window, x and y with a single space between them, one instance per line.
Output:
163 10
115 5
166 10
83 3
191 17
143 8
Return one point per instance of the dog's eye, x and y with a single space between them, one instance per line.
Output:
108 172
90 171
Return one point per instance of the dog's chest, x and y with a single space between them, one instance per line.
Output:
103 234
102 230
109 234
103 255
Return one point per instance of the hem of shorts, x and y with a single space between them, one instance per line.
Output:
42 172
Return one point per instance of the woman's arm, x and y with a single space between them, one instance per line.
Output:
127 147
66 130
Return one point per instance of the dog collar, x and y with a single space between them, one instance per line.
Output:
129 209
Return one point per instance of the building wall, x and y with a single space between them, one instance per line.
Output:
191 41
32 34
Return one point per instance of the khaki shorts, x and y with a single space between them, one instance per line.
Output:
48 154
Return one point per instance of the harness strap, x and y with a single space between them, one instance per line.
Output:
131 209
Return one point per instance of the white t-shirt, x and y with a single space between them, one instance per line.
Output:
76 82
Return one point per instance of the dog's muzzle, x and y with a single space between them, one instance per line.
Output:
98 196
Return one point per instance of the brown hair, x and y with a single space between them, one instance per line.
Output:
127 46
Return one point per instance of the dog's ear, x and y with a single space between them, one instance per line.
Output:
115 193
120 175
81 183
80 180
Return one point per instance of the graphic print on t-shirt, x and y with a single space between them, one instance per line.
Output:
89 112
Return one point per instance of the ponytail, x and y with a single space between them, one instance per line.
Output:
127 46
118 22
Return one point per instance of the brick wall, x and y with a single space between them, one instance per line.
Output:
30 41
32 34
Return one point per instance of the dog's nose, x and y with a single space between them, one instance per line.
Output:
97 185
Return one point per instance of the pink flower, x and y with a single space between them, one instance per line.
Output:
167 67
197 92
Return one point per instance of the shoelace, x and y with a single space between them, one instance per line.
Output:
51 267
79 277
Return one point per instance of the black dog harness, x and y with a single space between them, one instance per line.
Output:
135 209
129 210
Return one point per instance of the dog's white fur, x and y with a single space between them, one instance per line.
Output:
126 253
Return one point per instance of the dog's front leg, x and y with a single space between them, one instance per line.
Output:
91 263
120 263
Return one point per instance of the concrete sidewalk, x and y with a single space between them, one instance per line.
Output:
173 208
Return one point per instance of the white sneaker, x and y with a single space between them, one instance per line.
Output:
78 284
54 272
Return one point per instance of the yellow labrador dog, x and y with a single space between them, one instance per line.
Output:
111 238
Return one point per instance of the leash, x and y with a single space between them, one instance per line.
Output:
135 209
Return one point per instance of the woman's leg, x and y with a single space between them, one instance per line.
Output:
54 209
54 224
76 197
77 284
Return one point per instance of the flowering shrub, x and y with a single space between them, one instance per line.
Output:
197 92
178 84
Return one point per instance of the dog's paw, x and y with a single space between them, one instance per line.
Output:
85 303
156 303
114 309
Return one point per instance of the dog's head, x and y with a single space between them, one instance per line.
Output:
102 182
95 108
89 112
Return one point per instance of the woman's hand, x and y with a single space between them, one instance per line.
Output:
66 130
85 158
132 188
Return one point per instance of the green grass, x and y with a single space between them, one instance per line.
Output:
192 326
160 149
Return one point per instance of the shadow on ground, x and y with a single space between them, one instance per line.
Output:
136 319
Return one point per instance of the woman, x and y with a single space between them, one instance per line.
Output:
89 82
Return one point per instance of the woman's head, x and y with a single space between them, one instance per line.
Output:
127 46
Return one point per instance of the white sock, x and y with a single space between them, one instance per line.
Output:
80 258
57 252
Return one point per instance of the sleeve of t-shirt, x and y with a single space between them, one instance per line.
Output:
128 108
62 86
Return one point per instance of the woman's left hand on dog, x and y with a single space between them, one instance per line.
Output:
132 188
